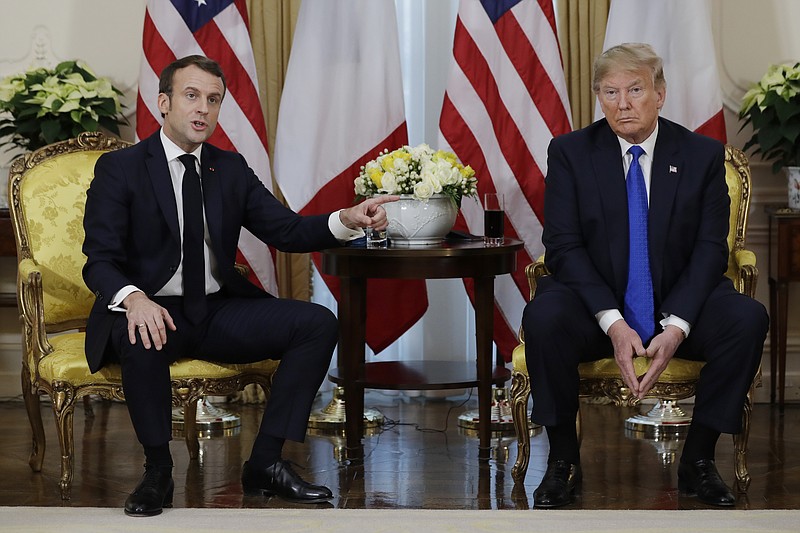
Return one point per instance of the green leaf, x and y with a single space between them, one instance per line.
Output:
785 110
88 123
51 130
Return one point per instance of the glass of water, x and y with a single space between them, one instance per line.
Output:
376 238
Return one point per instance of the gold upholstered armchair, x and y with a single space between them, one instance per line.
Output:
602 378
47 193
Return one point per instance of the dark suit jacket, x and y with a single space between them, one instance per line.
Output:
586 218
132 235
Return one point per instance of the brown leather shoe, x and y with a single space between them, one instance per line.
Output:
279 479
702 479
558 485
153 492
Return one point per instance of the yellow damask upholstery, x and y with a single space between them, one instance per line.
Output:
601 378
47 189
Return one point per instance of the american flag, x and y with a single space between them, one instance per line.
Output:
342 104
506 98
217 29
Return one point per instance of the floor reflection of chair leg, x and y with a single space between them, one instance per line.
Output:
665 418
212 421
332 416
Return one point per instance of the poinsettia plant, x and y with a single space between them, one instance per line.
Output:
45 105
772 107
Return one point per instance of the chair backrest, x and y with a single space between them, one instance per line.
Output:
737 174
47 192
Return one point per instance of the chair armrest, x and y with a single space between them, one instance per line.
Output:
31 302
747 272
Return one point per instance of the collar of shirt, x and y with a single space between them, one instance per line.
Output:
173 151
646 159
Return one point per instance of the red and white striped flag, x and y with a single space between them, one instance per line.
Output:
506 98
681 34
342 104
218 30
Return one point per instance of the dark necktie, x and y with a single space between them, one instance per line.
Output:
639 313
194 272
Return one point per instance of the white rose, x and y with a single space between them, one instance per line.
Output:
448 174
429 175
423 190
388 183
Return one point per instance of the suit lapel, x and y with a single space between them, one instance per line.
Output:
212 197
610 176
664 178
162 184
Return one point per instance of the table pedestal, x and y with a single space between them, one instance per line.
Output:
354 266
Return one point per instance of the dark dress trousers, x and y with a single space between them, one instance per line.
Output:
133 238
586 242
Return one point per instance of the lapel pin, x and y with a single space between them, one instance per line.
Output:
673 169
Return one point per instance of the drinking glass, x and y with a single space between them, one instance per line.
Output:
376 238
493 216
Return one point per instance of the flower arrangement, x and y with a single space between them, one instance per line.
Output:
419 171
49 105
772 107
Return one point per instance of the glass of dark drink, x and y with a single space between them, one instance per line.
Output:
493 215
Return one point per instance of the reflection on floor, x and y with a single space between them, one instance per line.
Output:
418 459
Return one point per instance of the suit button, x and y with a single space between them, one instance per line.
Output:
173 268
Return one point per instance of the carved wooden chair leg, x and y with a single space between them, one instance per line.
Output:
34 409
740 446
63 398
520 391
190 428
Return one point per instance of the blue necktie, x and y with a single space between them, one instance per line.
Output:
638 312
194 272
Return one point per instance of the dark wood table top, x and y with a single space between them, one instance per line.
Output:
456 259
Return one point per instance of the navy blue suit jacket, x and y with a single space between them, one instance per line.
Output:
586 218
132 234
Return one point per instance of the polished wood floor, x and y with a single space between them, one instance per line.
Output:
420 459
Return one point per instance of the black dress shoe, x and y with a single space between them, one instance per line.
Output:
279 479
558 485
152 493
701 479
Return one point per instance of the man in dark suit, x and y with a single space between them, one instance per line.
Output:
161 245
650 283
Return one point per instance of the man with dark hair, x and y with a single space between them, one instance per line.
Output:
162 224
636 216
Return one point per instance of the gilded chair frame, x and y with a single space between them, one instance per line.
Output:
679 379
53 359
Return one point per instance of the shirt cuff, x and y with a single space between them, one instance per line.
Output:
607 317
341 232
116 301
678 322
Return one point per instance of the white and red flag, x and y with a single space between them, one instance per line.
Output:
680 32
219 30
342 104
506 99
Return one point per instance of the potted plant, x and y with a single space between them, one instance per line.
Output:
772 108
45 105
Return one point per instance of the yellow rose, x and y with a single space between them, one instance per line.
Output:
376 175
